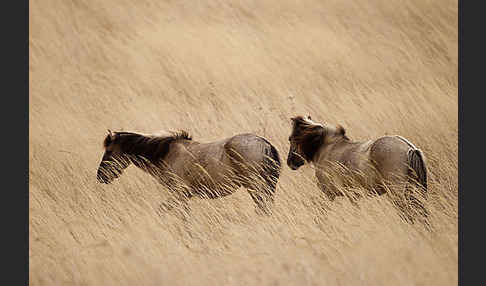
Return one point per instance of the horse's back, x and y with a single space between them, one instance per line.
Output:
247 147
389 153
254 158
209 151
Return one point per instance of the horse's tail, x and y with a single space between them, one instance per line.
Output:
416 162
418 168
418 175
271 165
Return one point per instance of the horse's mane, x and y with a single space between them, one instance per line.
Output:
308 126
150 146
311 135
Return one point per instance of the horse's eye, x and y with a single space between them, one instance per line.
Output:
290 138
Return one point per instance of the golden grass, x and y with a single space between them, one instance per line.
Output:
217 68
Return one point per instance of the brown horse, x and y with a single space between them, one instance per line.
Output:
387 163
189 168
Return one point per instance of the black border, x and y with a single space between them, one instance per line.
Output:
471 265
15 155
461 278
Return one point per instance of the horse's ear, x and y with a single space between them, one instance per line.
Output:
110 137
294 121
340 130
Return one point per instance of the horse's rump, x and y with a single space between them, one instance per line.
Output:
252 156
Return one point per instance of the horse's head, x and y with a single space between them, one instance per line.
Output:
304 133
307 137
114 161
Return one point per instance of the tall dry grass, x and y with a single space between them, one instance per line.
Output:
217 68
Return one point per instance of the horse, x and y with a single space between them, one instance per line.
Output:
388 164
192 169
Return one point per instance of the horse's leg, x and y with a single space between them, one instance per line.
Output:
350 183
325 184
262 192
263 201
415 196
327 191
179 202
401 199
400 203
407 200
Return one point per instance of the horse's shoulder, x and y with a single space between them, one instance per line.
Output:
177 150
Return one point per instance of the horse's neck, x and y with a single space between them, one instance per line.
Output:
327 150
180 151
144 154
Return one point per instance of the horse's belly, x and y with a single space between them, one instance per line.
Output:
212 185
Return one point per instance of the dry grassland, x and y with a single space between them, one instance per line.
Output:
215 69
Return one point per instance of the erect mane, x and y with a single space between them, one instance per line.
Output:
311 135
107 141
303 128
152 147
124 137
182 134
307 125
302 121
308 135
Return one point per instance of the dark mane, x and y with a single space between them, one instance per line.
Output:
308 136
151 147
298 120
107 141
182 134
